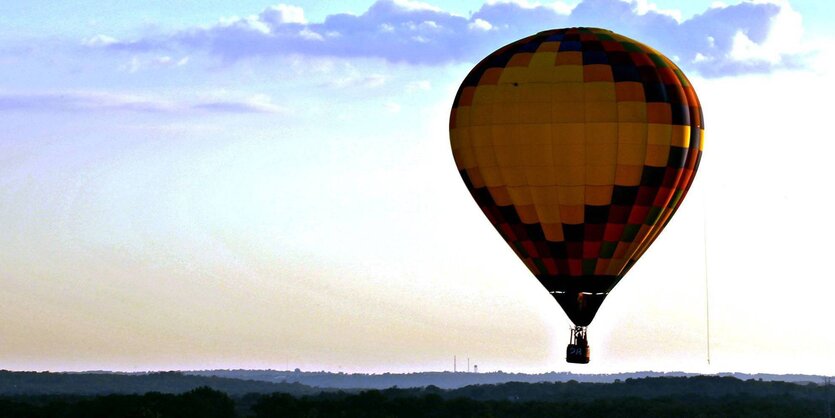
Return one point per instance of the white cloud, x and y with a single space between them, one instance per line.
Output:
355 79
254 23
746 37
700 58
283 13
823 61
258 103
99 40
557 6
480 24
562 7
303 65
783 38
96 101
644 6
133 65
418 86
143 62
412 5
310 35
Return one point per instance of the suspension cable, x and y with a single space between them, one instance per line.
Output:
707 292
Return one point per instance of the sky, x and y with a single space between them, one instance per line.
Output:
211 184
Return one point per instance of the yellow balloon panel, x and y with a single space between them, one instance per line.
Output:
578 145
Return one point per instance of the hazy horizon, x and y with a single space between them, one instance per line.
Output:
254 185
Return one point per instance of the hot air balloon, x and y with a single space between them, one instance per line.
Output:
578 145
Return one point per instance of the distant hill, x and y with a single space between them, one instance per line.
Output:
298 383
450 380
103 383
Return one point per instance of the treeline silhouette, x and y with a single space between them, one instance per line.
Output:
647 388
703 396
200 402
379 404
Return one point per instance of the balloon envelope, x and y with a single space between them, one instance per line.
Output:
578 145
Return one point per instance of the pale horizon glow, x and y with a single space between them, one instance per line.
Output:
180 195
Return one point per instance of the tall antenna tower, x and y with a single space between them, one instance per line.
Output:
454 364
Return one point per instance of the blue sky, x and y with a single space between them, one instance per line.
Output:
252 184
80 18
